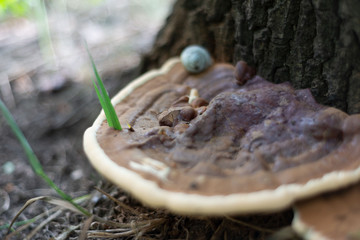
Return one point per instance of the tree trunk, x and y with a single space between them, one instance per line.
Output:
310 43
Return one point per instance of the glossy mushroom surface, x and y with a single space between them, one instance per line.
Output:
247 146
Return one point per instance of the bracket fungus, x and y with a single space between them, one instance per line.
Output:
242 145
334 215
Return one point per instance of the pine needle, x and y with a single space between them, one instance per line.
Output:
121 204
43 223
260 229
59 203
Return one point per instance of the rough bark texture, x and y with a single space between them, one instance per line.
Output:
311 43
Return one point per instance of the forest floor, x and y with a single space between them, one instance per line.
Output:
47 89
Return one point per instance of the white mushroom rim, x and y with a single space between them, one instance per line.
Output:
194 204
304 230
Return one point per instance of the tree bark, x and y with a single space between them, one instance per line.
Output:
310 43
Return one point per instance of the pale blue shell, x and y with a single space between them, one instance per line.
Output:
195 59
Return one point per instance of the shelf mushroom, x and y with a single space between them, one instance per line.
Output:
240 146
329 216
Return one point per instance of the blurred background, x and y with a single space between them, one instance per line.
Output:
42 42
45 82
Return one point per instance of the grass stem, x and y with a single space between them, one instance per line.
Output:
34 161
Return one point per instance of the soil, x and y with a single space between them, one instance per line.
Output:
53 106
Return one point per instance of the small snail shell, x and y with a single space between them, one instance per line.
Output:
195 59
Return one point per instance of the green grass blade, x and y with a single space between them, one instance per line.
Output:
104 99
34 161
19 223
103 105
35 164
103 96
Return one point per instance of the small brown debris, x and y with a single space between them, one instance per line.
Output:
199 102
182 101
243 72
169 118
187 114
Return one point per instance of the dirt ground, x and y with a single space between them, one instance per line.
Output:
52 101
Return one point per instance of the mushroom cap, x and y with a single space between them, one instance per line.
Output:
254 148
334 215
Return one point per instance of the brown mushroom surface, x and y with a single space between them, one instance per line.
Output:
250 147
332 216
